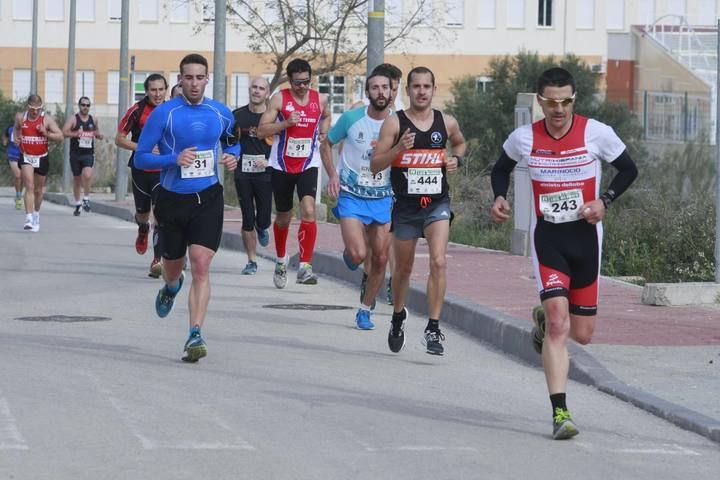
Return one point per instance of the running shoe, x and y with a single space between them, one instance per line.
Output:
348 262
363 286
363 320
86 205
155 268
263 237
563 425
141 242
166 298
305 275
195 347
280 274
18 203
388 292
28 223
396 336
538 331
78 209
433 342
250 269
35 222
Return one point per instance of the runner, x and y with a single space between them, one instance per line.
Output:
188 130
176 91
13 157
563 154
143 181
298 118
413 142
365 200
253 178
33 129
82 129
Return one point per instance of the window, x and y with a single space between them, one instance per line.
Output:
585 14
148 10
21 84
113 87
54 86
615 14
22 10
334 87
515 13
85 10
486 13
137 87
646 12
544 13
179 11
239 89
114 11
208 10
55 10
482 84
85 84
703 13
455 12
358 88
393 12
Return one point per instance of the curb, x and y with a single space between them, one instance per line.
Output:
508 334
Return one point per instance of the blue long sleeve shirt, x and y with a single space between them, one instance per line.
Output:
176 125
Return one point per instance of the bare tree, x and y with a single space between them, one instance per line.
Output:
330 34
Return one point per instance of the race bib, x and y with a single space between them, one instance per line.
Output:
32 160
298 147
561 207
367 179
250 163
86 140
424 181
202 166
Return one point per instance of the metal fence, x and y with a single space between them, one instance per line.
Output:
676 117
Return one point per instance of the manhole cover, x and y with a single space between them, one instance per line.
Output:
64 319
306 306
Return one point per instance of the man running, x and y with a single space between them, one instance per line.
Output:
298 117
365 199
143 181
253 178
13 158
413 142
563 153
82 129
188 131
33 130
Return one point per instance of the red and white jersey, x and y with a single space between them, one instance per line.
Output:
296 148
564 172
33 142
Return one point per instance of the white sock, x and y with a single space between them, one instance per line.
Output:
365 307
302 264
86 198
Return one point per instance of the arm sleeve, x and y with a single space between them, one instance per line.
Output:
152 135
500 176
627 173
338 132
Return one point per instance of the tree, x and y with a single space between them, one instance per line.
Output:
330 34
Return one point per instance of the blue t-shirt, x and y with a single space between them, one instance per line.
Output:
13 151
176 125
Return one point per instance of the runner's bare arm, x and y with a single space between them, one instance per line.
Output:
67 129
269 125
17 129
457 142
325 118
333 186
98 133
52 131
122 141
386 149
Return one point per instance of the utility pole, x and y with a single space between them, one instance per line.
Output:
33 53
376 35
717 160
123 94
69 94
219 65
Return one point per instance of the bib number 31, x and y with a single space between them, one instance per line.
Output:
202 166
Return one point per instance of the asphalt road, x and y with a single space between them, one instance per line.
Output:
283 394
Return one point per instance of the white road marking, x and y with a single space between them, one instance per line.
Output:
662 449
10 437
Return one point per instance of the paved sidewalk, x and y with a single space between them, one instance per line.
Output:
665 360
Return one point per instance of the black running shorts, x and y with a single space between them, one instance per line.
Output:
78 161
143 184
283 185
255 195
44 167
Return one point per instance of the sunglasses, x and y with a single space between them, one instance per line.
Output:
301 83
564 102
36 109
84 104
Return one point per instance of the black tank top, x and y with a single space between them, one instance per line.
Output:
419 173
88 126
246 123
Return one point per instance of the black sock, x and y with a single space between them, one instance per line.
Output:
432 325
558 401
399 317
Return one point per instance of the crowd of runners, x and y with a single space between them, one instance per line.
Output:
390 182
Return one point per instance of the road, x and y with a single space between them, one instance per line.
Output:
93 386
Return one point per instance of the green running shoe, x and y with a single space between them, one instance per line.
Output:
563 425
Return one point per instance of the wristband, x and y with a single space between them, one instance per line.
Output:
606 199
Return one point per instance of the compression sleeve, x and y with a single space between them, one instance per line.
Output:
500 176
151 135
627 173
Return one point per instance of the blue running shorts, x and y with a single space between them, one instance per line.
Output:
367 210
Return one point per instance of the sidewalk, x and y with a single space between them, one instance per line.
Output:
665 360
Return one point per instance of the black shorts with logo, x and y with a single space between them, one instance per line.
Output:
44 167
283 185
143 185
78 161
189 219
410 217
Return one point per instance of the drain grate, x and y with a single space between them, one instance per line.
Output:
307 306
64 319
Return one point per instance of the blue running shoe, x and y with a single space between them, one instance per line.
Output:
348 262
263 237
166 298
250 269
363 321
195 347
